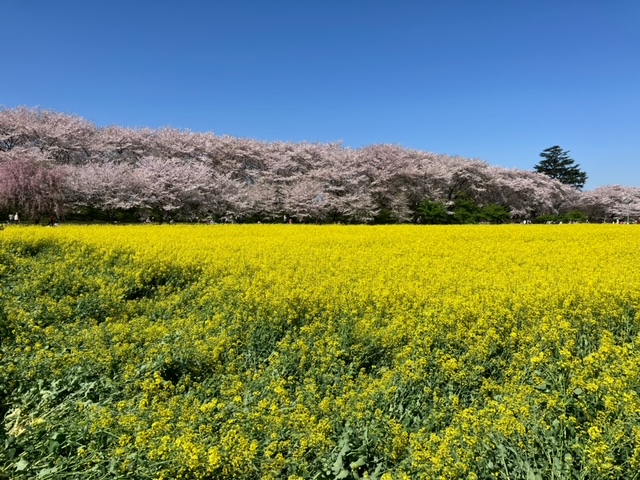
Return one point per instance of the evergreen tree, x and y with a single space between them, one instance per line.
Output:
559 165
433 212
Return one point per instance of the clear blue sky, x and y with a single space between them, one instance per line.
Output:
495 80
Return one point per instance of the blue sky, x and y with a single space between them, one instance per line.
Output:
496 80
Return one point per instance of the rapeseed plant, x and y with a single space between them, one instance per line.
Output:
262 351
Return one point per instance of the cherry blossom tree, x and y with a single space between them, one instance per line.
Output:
60 138
121 145
16 128
611 203
229 200
30 185
345 194
107 187
169 188
528 194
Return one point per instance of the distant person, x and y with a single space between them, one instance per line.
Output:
51 221
16 218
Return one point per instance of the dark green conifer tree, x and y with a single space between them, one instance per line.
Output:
558 164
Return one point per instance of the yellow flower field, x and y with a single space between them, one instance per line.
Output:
320 352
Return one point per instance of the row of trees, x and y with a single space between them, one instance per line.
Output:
53 163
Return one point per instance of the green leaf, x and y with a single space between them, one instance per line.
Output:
344 449
358 463
53 446
343 474
376 473
22 465
47 471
